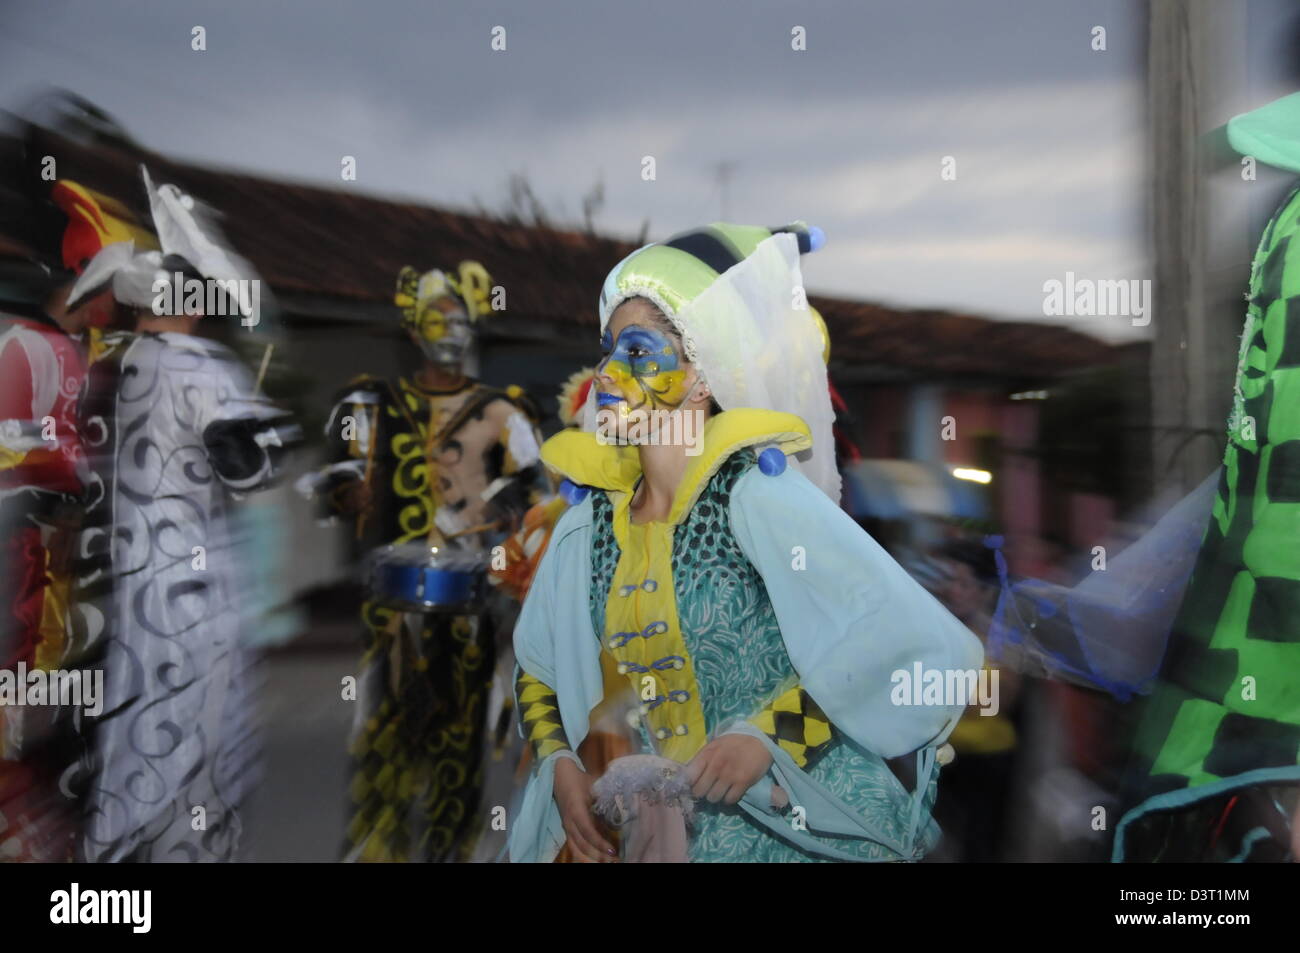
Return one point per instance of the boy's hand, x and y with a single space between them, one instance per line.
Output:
727 767
356 497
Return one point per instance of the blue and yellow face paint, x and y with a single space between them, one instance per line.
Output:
645 366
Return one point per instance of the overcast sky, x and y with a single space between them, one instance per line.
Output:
850 134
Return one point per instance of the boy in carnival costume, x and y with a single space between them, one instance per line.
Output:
438 457
759 628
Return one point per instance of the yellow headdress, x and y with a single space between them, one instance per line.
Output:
826 335
417 294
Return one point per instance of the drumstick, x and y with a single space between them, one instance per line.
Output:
266 362
480 528
370 465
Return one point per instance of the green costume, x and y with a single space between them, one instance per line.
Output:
1220 745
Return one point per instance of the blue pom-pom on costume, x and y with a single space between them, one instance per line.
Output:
573 493
772 461
816 238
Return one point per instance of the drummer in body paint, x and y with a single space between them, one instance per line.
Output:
440 459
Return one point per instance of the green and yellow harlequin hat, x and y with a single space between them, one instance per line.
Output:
674 273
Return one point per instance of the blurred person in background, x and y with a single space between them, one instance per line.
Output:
174 750
975 795
1201 612
41 469
610 736
45 346
1215 775
432 467
523 551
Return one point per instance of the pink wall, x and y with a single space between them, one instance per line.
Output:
975 413
1020 493
1016 486
883 413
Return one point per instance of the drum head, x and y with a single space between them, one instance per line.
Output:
416 577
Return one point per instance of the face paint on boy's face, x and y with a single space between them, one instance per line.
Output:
444 338
645 369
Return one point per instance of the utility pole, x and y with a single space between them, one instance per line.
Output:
1196 80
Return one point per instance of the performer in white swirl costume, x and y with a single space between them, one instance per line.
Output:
174 743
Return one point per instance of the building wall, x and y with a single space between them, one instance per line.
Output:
878 417
977 416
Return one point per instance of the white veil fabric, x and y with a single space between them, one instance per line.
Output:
131 275
1110 631
757 344
183 228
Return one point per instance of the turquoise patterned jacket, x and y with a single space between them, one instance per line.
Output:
851 619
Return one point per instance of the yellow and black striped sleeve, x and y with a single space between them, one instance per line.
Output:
795 722
540 711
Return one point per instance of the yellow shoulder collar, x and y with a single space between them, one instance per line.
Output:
586 461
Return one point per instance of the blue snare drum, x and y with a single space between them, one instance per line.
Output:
420 578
